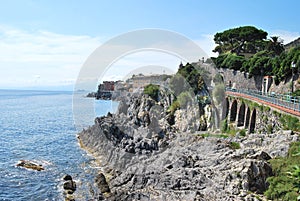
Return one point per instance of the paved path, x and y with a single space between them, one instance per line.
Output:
255 99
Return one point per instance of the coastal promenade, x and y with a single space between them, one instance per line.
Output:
284 103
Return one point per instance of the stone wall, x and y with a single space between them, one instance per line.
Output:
241 80
237 79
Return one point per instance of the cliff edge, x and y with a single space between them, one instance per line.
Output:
150 153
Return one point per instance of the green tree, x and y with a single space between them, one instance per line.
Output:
246 39
268 56
194 76
275 45
258 64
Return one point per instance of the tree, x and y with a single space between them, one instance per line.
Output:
258 64
233 61
275 45
246 39
268 56
195 76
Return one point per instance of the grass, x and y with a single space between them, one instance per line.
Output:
243 132
213 135
230 130
234 145
173 107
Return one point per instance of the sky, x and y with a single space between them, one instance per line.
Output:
44 44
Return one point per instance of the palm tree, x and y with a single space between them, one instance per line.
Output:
275 45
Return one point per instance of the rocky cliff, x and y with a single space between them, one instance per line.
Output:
148 153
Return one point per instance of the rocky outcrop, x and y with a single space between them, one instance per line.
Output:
30 165
69 187
102 183
148 158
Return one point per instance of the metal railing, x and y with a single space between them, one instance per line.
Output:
286 101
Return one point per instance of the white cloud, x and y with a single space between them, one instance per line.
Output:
41 58
287 36
206 42
144 61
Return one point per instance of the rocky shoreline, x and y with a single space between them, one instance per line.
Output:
145 157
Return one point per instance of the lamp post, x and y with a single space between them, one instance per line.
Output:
293 65
262 81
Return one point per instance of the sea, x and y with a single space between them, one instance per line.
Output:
39 126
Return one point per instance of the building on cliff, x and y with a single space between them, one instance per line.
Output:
138 82
105 90
107 86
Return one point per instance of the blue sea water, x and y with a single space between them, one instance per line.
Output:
39 126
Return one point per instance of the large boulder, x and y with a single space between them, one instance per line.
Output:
102 183
69 186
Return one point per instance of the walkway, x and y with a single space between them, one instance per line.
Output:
281 103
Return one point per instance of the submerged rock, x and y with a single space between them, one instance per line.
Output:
30 165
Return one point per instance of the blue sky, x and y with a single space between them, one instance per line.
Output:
44 43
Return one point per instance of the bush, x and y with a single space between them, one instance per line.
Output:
297 92
173 107
224 126
204 135
152 90
290 123
184 99
243 132
285 184
234 145
269 128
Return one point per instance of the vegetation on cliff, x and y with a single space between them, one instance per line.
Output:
248 49
285 184
152 90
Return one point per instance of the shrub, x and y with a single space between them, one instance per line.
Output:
243 132
218 79
231 130
152 90
204 135
269 128
297 92
173 107
285 184
224 126
184 99
290 123
234 145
